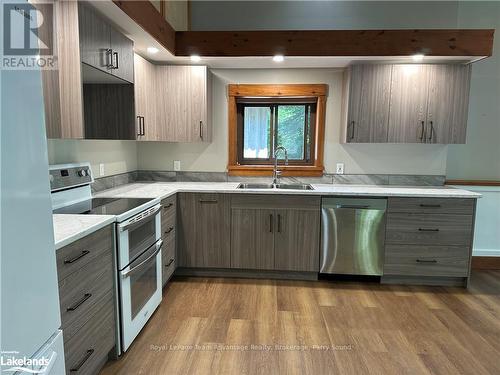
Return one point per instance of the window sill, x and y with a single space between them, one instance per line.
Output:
267 170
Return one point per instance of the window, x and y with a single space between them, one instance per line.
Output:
271 123
263 117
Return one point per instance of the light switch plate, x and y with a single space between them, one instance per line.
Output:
177 165
340 168
101 169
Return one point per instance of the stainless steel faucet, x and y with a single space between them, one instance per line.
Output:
276 173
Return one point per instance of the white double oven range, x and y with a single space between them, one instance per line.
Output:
138 244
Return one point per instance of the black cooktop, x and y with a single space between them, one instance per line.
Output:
103 206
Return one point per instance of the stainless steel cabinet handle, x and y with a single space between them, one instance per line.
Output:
426 261
139 130
85 297
169 262
352 131
201 129
430 205
143 126
73 260
352 206
432 131
422 132
270 223
208 200
428 230
115 66
170 229
83 360
109 58
279 223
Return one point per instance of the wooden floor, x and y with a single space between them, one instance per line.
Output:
208 326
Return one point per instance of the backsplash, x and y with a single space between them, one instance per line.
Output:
109 182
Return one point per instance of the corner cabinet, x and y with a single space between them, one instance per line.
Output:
407 103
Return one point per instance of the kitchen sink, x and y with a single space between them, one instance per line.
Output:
255 186
295 186
278 186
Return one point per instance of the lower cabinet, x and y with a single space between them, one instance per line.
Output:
275 232
168 225
203 228
85 274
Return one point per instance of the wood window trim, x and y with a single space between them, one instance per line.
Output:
319 91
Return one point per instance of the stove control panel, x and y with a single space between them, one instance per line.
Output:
64 176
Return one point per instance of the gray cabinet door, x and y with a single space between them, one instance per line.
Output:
369 111
408 103
95 39
204 230
252 238
296 240
448 103
123 56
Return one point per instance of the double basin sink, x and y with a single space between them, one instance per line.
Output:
277 186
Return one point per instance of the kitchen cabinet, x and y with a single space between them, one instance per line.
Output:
183 103
369 94
168 229
103 47
203 230
62 88
275 232
407 103
145 99
86 294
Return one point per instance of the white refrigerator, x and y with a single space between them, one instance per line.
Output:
30 335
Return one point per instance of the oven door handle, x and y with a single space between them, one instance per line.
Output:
126 274
144 217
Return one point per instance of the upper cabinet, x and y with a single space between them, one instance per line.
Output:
407 103
62 88
172 102
103 47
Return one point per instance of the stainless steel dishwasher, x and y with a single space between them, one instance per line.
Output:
352 236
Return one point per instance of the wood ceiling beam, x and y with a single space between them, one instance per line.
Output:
147 16
453 42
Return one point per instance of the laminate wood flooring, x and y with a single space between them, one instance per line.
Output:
246 326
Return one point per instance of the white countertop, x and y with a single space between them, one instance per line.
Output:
164 189
69 228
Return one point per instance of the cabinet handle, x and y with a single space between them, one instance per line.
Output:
279 223
143 126
115 66
139 131
109 58
208 200
170 229
430 205
85 297
428 230
422 132
73 260
169 262
352 131
270 223
426 261
168 206
432 130
201 129
83 360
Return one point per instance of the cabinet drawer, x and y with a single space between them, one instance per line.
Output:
87 351
428 229
168 213
168 259
80 292
78 254
411 260
431 205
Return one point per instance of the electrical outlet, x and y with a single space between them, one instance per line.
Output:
101 169
177 165
340 168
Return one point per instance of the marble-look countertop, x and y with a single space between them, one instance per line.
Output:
69 228
164 189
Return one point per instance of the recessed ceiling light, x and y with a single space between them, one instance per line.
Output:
418 57
278 58
153 50
195 58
